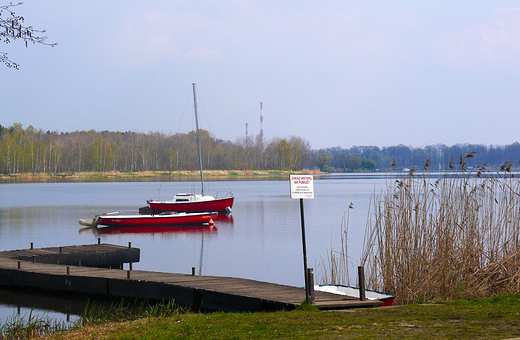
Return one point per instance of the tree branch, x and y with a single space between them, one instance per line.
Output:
12 28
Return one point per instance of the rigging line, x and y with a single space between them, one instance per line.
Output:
158 192
201 103
183 111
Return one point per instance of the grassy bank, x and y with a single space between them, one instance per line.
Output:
110 175
491 318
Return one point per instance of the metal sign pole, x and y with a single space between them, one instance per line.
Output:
302 187
307 291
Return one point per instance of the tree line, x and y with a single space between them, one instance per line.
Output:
35 151
436 157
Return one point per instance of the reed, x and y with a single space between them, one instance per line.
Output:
21 327
457 236
334 269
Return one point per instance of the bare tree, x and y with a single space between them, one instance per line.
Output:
12 28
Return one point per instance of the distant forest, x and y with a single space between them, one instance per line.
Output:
35 151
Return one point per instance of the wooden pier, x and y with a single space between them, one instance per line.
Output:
210 293
91 255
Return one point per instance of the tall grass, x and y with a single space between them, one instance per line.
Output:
20 327
99 313
334 269
454 237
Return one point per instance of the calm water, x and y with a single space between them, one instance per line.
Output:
260 240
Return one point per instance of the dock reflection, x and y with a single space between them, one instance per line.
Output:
29 301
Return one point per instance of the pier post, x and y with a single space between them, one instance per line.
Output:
361 276
192 271
310 281
19 264
31 245
129 244
99 240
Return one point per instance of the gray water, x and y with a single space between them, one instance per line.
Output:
261 239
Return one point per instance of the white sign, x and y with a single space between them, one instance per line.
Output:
302 186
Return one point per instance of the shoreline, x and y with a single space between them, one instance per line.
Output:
87 176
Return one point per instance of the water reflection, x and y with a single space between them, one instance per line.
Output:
23 302
224 218
189 229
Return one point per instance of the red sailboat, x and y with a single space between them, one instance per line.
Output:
193 202
118 219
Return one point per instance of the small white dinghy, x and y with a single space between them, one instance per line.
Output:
387 299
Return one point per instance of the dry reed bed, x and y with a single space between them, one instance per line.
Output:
454 237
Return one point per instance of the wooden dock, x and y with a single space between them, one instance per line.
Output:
210 293
91 255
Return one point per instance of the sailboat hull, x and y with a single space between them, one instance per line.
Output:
218 205
120 220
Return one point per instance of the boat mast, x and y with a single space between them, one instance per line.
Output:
198 138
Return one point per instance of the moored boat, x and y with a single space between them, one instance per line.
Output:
117 219
193 203
387 299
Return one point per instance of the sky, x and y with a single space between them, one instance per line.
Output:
336 73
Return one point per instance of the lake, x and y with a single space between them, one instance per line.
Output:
260 240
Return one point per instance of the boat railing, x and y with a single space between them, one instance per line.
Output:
228 194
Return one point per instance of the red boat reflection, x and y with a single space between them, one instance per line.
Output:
178 229
224 218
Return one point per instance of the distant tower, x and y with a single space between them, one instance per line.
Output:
261 121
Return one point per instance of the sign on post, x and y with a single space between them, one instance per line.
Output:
302 186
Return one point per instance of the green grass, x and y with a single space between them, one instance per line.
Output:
491 318
100 313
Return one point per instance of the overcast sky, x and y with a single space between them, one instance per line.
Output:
337 73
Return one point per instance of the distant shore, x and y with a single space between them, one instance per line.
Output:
87 176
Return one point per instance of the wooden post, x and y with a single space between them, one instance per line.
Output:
361 275
128 275
99 240
79 263
129 244
193 271
310 281
31 245
130 265
60 250
19 264
68 270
